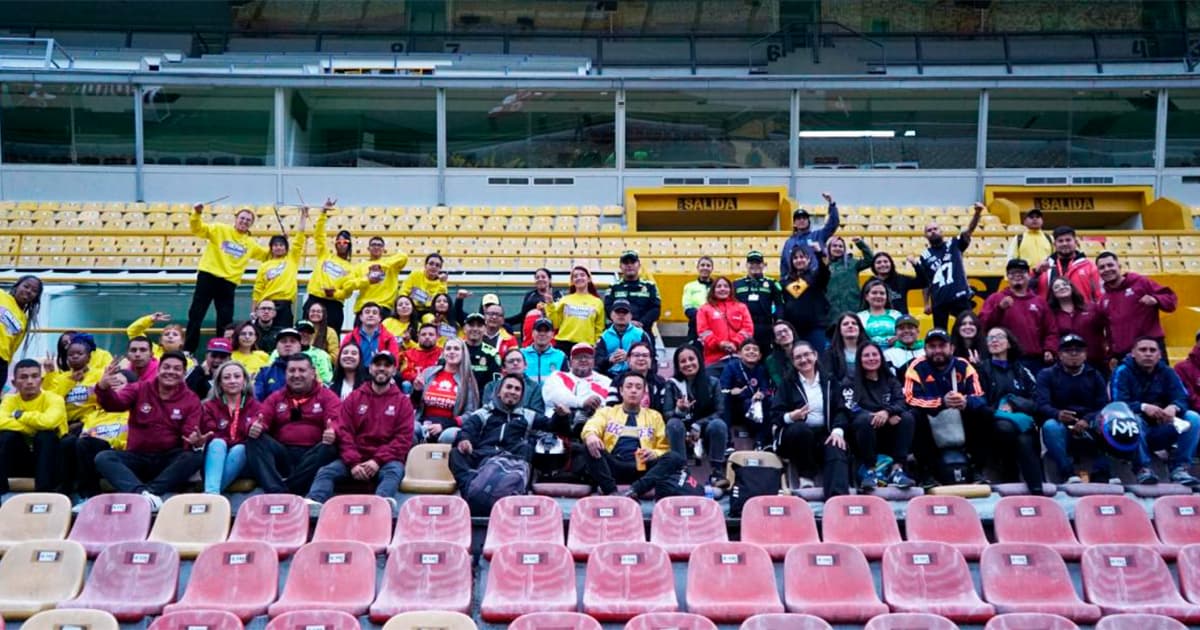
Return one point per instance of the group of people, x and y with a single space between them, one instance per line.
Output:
571 383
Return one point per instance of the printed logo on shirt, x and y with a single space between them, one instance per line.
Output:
316 407
176 414
1129 292
276 271
613 427
233 248
390 411
282 408
419 296
362 410
1033 308
581 312
333 270
78 394
376 274
10 322
108 431
145 408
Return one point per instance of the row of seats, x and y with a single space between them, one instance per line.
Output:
727 582
191 522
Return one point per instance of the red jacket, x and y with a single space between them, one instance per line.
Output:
720 321
1029 318
1081 272
1189 372
375 426
156 424
387 341
1089 324
418 359
318 409
1127 318
215 418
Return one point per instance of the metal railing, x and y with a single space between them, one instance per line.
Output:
47 49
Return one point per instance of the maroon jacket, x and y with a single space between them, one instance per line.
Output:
156 424
1029 318
215 418
1127 318
1189 372
1089 324
318 409
375 426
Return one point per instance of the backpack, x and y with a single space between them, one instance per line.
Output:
752 480
499 476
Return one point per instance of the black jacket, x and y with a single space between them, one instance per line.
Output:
769 300
1085 393
528 303
199 381
494 428
808 310
654 382
643 299
860 399
791 397
1012 380
714 409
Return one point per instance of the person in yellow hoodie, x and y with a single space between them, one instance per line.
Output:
628 443
170 340
18 315
377 278
328 273
276 278
579 315
229 251
31 423
423 287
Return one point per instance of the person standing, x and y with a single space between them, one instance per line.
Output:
1032 243
1024 313
804 237
612 351
805 305
579 315
940 268
844 292
19 308
325 285
1070 263
276 278
222 265
377 278
541 293
763 296
695 293
642 295
1130 306
883 267
423 287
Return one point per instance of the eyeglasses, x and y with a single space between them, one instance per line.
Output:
640 355
997 338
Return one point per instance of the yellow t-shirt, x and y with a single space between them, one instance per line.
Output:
578 317
47 412
421 289
330 271
12 326
376 280
228 252
253 361
276 278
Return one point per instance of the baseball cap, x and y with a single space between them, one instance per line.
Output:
490 299
629 255
582 348
384 355
937 333
304 324
1072 340
622 305
800 212
287 332
1017 263
1032 212
907 320
542 322
220 345
754 256
474 318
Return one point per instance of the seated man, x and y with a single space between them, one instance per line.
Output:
541 357
908 345
1069 395
272 378
628 444
573 396
163 448
497 428
370 336
321 360
1154 392
425 355
31 422
514 363
375 434
612 349
139 358
199 379
296 434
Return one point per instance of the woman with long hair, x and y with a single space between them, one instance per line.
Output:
541 293
19 308
779 360
898 285
245 349
1010 390
447 393
722 324
1075 316
876 412
967 338
578 316
225 418
400 323
842 354
331 272
441 314
805 305
276 277
76 383
811 435
844 293
324 336
694 404
878 318
349 371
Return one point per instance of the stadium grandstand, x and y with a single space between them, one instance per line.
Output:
576 314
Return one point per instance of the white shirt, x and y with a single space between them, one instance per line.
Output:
816 400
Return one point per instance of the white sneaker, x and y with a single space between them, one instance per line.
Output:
1074 479
156 501
805 482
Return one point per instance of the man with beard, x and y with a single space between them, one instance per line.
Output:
579 392
425 355
375 434
944 389
485 363
1070 263
497 428
941 269
763 296
1130 306
1026 314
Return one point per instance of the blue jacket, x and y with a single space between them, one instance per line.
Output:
1160 387
611 341
736 374
270 379
1085 393
539 366
804 239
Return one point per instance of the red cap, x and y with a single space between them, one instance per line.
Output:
220 344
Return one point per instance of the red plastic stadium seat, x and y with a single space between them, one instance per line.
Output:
785 621
678 524
331 575
1101 520
1133 579
554 621
131 580
1029 519
931 577
527 577
1177 519
670 621
1030 621
910 621
523 518
280 520
626 579
832 581
239 577
948 519
424 576
322 619
1139 622
778 523
365 518
863 521
730 581
596 520
1031 578
1188 563
433 518
111 518
197 620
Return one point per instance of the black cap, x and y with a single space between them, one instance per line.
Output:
1034 211
1016 263
937 333
754 256
474 317
622 305
1072 339
304 324
383 356
800 212
287 332
907 320
629 256
542 322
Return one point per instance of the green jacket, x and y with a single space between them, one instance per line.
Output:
844 293
321 363
695 294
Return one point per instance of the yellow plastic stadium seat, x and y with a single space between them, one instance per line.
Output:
429 619
1173 264
37 575
1142 264
34 516
192 522
69 618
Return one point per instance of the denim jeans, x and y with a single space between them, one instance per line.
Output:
1162 436
222 465
389 476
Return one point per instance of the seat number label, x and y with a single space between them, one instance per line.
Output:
526 510
47 556
940 510
531 558
629 559
39 508
431 558
335 558
856 510
1187 510
198 508
606 512
731 558
921 559
776 510
197 627
277 509
435 455
356 510
1108 510
1018 560
1027 511
118 508
1118 561
238 558
687 511
823 560
139 558
435 510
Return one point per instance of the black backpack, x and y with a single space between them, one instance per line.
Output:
500 476
752 480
